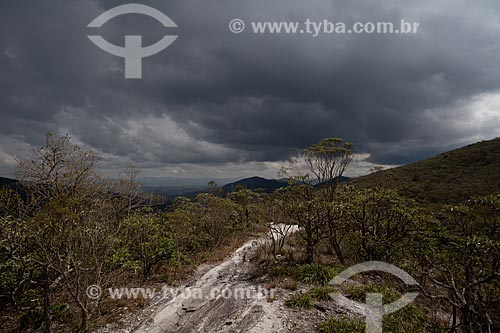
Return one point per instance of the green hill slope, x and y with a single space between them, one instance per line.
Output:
450 177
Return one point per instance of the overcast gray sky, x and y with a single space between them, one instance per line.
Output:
222 105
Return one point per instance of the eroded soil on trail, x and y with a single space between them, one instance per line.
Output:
224 299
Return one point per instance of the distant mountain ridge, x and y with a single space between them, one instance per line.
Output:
255 183
450 177
7 181
12 184
336 180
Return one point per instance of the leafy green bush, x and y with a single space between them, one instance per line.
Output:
313 274
150 241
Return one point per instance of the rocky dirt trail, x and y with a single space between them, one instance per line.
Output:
200 307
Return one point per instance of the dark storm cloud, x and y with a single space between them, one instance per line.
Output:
215 97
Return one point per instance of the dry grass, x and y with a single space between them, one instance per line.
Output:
270 285
289 284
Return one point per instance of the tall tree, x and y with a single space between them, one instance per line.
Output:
58 168
77 218
327 161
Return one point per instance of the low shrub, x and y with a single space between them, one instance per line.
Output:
290 284
313 274
410 319
341 325
358 293
321 293
299 300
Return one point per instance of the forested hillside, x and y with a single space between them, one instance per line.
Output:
450 177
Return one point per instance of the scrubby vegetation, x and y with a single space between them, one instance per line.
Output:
299 300
70 228
305 299
449 178
453 251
